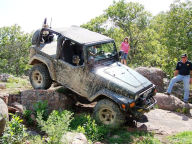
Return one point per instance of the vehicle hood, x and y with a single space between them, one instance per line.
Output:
123 78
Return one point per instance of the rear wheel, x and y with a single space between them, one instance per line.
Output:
108 113
39 77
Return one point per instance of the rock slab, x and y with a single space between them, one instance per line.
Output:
55 100
167 122
170 102
74 138
3 115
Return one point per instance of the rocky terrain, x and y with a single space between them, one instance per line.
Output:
170 116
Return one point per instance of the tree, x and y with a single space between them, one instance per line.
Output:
177 33
14 50
132 19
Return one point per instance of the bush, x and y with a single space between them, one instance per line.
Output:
56 125
14 50
27 117
41 107
86 125
15 131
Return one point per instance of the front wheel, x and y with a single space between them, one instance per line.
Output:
39 77
108 113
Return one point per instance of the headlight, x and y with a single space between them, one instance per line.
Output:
136 97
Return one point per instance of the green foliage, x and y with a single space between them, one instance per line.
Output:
27 117
85 124
181 138
155 41
183 110
14 50
41 107
16 82
96 24
36 140
56 125
15 131
123 136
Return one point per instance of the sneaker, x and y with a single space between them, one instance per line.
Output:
166 93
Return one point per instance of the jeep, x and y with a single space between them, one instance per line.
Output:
87 63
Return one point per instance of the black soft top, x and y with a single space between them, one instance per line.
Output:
82 35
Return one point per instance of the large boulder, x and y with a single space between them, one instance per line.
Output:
20 108
3 115
74 138
178 89
171 103
4 97
155 75
56 100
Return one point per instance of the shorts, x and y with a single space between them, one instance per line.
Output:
124 55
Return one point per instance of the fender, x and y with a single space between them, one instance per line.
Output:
117 98
41 59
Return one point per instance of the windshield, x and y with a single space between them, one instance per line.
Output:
102 51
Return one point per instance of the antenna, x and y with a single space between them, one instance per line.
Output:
50 22
45 21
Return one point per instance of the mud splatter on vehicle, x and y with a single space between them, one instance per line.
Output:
86 62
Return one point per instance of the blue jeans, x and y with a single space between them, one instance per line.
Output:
185 80
124 55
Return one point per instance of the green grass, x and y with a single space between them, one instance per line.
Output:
181 138
124 137
16 82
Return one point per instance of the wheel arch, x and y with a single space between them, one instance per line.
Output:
38 59
107 94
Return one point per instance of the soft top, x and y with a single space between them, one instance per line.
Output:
83 36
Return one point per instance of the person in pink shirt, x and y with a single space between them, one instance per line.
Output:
124 51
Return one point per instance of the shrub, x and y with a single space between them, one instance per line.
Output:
27 117
15 131
56 125
88 126
41 107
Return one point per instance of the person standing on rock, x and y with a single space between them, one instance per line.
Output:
182 73
124 50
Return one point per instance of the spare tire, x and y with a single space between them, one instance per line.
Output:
36 37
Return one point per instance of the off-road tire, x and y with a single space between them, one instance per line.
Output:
35 38
108 113
39 77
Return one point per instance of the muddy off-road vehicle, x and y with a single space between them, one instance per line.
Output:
87 63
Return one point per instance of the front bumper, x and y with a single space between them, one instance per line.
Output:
149 104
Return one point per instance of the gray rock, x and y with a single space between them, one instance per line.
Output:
54 99
74 138
32 133
19 107
3 115
4 77
171 102
4 97
166 122
155 75
2 86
